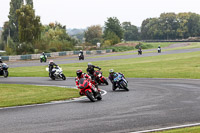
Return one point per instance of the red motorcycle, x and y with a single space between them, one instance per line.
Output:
87 90
100 78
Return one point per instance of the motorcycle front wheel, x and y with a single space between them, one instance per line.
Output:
5 73
90 96
63 77
123 84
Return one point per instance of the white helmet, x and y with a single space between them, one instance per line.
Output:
111 71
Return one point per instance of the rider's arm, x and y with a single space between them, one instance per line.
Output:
77 82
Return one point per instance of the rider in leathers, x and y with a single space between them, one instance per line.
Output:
90 70
111 77
51 66
80 75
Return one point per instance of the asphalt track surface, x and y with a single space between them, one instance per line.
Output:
74 59
150 104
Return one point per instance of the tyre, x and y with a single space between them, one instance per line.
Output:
90 96
124 86
5 74
63 77
41 60
105 81
99 97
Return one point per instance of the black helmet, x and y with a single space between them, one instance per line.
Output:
79 73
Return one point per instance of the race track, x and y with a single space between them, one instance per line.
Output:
150 104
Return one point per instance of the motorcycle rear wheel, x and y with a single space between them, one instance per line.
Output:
5 74
99 97
105 81
90 96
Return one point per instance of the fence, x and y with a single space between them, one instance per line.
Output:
54 54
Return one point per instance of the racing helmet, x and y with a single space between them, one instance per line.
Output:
89 64
51 62
111 71
79 73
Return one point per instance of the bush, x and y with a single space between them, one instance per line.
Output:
120 48
143 46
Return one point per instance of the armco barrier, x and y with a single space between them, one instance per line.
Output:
54 54
26 57
5 58
62 53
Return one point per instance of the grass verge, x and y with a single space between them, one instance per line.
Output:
183 130
16 95
184 65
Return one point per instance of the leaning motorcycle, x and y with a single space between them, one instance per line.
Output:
121 82
100 78
4 70
58 73
159 50
43 58
81 56
86 90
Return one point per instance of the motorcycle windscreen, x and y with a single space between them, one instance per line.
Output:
83 82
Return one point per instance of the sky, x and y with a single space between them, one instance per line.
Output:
84 13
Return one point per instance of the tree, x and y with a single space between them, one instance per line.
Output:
130 31
93 34
113 25
29 2
13 20
29 25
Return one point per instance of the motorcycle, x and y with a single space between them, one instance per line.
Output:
86 90
81 56
43 58
100 78
57 74
121 82
139 52
4 70
159 50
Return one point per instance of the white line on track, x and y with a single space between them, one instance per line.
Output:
53 102
168 128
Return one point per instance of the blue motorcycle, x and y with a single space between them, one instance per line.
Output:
121 82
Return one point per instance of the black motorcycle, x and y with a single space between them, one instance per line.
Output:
4 70
139 51
81 56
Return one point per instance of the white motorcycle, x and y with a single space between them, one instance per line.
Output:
58 73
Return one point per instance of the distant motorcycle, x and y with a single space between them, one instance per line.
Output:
100 78
86 90
159 50
139 51
121 82
4 70
43 58
58 74
81 56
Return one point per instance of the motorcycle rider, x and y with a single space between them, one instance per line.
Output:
1 60
111 77
51 66
159 49
80 75
90 70
44 55
81 52
139 50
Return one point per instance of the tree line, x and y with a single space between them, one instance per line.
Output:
24 33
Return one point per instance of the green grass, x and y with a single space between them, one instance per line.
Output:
183 130
184 65
16 95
